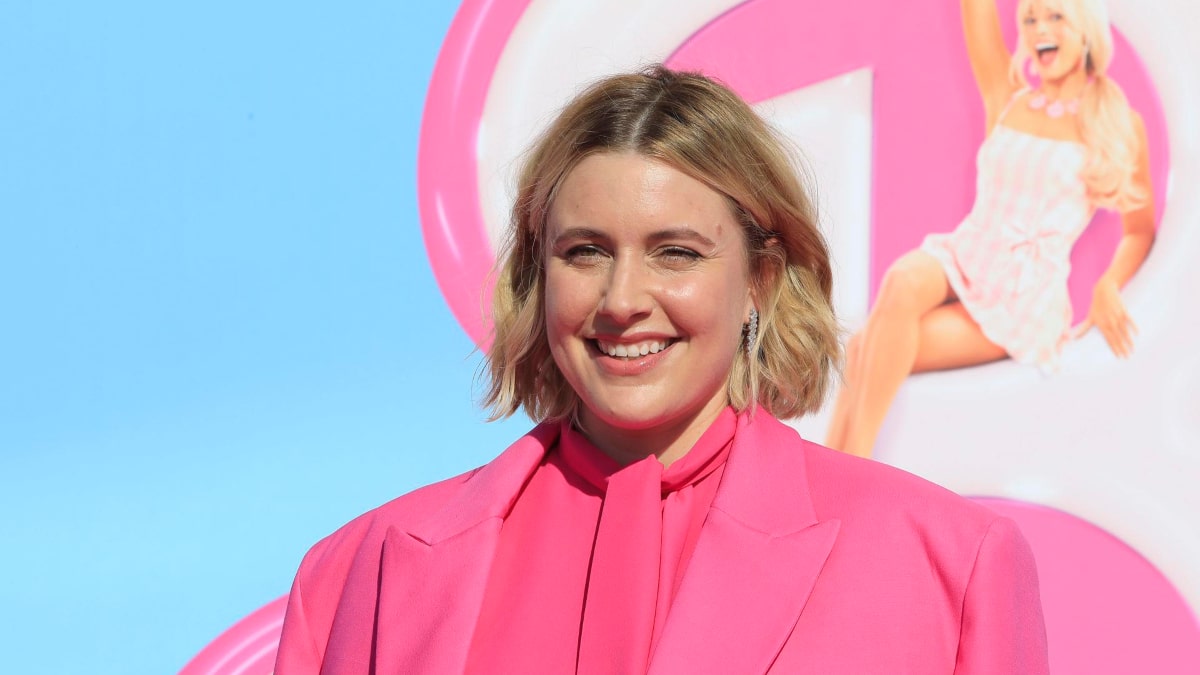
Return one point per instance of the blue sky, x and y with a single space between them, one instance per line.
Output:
221 337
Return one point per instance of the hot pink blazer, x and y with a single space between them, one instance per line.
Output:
810 561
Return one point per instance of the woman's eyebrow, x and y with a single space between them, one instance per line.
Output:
578 233
674 233
681 233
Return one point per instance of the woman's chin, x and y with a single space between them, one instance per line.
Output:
628 419
1054 73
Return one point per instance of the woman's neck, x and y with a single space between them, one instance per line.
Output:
667 442
1066 88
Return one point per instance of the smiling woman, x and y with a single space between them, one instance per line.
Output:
663 298
645 304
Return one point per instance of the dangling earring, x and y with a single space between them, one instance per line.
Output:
752 330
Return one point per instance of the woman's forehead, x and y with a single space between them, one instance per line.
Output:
1042 6
620 176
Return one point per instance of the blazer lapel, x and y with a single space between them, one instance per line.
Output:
759 554
436 573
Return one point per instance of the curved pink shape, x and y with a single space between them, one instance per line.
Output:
1108 609
928 120
447 179
246 648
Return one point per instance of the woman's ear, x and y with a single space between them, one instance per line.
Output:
753 290
765 269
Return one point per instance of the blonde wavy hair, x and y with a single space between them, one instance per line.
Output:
1106 122
703 129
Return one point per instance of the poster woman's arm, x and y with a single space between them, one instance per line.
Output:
1108 312
989 57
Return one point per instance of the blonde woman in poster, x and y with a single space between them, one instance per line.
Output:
996 287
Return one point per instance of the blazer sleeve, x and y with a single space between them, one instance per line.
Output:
298 653
1002 626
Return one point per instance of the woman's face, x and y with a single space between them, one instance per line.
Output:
647 288
1056 45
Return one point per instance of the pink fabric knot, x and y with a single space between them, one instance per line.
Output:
1029 252
621 612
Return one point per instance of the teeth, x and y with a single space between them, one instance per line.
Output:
1043 46
639 349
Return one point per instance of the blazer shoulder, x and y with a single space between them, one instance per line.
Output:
334 575
844 486
478 489
910 525
337 549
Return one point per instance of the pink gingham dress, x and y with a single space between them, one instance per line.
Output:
1008 261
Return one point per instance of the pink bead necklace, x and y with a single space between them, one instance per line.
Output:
1055 108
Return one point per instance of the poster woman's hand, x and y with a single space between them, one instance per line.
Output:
1108 312
1109 316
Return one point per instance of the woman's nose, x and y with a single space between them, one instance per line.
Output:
627 296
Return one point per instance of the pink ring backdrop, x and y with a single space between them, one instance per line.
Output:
447 178
1108 609
247 648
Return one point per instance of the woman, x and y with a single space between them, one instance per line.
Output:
665 295
997 286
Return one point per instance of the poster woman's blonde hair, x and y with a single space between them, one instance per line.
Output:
1107 124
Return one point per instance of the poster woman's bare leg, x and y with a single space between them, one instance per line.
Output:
887 347
950 338
839 423
915 326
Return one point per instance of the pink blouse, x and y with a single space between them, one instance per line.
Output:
591 555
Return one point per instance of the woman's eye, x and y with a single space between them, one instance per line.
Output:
1029 21
679 255
1056 17
583 254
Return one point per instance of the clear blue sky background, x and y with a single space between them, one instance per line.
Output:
220 337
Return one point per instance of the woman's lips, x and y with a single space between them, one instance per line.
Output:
632 349
1046 55
630 365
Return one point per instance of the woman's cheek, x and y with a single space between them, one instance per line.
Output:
686 291
687 303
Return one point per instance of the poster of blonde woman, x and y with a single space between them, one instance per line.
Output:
1059 146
